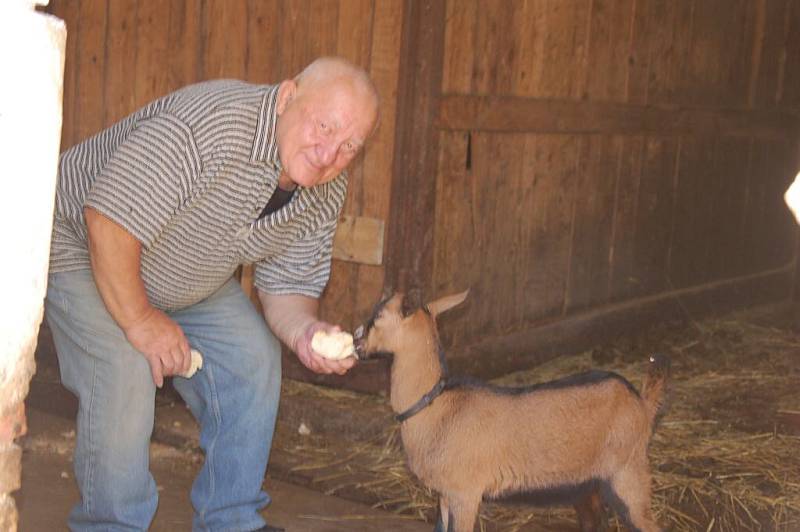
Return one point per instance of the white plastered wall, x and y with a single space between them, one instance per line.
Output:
32 64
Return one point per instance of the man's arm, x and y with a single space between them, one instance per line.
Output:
115 257
293 319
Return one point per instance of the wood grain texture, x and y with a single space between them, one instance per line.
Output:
90 101
514 114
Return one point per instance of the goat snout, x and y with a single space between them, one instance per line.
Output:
358 342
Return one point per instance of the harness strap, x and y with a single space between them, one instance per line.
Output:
424 401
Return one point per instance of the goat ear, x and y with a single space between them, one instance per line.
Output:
446 303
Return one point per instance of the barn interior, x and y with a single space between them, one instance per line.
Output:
606 177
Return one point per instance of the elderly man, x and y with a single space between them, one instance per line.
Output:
153 217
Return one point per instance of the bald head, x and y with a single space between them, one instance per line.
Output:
327 71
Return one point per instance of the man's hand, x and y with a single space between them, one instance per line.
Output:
316 362
293 319
162 343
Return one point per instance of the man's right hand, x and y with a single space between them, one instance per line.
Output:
162 343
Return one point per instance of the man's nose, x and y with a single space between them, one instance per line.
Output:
326 151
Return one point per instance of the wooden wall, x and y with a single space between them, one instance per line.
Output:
586 167
596 155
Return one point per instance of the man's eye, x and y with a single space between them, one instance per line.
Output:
350 147
323 126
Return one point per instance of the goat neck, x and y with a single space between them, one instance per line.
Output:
417 366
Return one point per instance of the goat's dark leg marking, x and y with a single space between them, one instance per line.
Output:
591 513
440 524
631 492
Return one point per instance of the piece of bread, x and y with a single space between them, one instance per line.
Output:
334 346
197 363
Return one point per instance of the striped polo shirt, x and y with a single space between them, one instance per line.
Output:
188 176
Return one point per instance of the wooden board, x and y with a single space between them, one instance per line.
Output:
90 104
359 239
592 225
512 114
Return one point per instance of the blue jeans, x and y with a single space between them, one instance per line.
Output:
234 398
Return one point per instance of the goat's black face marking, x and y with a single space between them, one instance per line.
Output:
362 332
411 302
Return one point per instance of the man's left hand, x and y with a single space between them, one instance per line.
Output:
315 362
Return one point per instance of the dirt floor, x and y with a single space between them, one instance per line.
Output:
726 456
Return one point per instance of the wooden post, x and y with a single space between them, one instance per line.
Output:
409 261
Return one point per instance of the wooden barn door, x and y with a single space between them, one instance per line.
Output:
590 166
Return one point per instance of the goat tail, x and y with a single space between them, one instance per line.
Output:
654 390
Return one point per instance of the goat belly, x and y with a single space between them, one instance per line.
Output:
561 495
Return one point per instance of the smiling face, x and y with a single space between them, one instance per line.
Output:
321 128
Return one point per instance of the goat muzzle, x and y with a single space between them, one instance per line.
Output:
359 339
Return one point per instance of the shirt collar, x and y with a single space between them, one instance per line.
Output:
265 143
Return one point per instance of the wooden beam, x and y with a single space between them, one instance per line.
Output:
359 239
534 115
493 357
409 260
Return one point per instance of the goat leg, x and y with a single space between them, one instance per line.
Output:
591 513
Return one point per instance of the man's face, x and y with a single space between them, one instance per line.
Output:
321 130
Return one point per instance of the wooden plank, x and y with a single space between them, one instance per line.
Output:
120 77
293 52
637 80
721 48
359 239
654 215
410 258
494 54
225 52
184 35
496 252
506 249
727 214
694 195
553 34
457 260
551 178
609 43
459 51
764 88
669 27
512 114
623 281
323 22
263 40
91 52
592 226
791 80
152 49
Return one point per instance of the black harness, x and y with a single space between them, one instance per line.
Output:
424 401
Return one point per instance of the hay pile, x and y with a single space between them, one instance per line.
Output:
722 458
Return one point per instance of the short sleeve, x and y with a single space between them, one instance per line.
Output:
148 178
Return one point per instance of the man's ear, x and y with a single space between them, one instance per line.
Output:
286 93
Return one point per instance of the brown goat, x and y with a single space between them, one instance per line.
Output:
583 437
